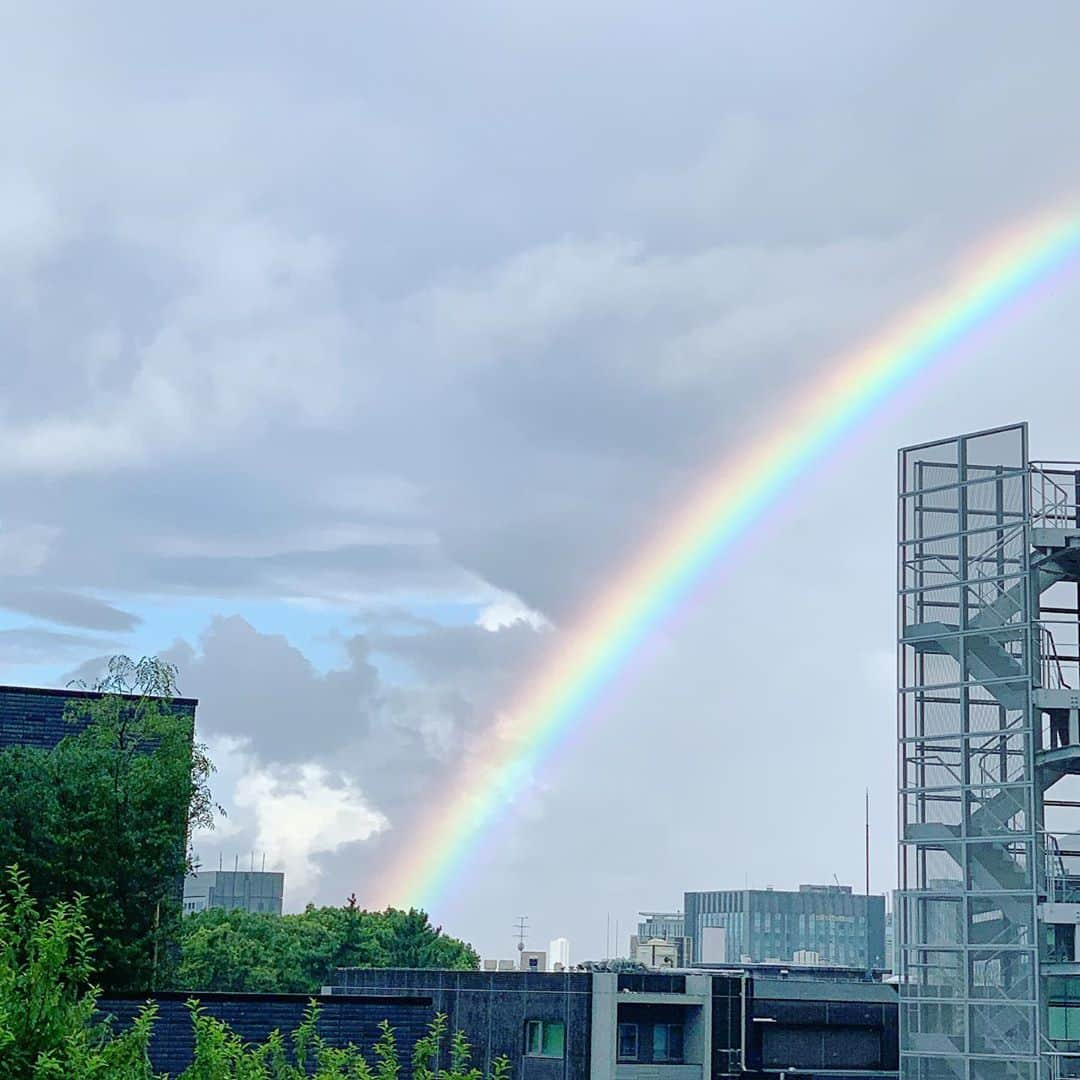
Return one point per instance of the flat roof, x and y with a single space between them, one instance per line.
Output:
79 692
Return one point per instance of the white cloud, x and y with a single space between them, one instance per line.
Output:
508 610
289 814
302 811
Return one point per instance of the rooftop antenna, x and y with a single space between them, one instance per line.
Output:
264 863
867 841
521 928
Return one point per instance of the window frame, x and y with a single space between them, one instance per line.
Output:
627 1026
665 1056
541 1028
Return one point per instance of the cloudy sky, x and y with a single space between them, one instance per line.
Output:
348 353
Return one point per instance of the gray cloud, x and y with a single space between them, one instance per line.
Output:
33 645
302 323
70 608
393 741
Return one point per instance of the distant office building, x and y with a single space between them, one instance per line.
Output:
258 891
766 925
34 715
668 927
559 954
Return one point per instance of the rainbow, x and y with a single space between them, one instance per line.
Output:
664 575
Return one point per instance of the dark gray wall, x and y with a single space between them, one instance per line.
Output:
818 1026
343 1020
492 1009
34 716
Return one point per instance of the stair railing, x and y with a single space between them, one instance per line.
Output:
1053 676
1051 505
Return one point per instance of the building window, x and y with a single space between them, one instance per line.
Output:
667 1042
1064 1023
545 1038
628 1042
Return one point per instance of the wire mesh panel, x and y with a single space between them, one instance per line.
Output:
968 949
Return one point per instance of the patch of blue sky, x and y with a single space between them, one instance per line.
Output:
319 631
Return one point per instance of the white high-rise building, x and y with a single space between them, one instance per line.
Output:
559 954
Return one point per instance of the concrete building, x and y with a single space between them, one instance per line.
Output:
667 927
752 926
989 735
259 891
665 1026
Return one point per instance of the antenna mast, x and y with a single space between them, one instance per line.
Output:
867 841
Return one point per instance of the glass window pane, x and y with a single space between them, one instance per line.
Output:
554 1039
660 1042
628 1041
675 1042
533 1042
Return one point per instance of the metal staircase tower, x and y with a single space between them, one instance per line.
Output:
989 693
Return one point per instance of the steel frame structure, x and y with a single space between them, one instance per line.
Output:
986 724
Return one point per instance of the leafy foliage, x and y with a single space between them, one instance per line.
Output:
106 815
243 951
48 1029
221 1055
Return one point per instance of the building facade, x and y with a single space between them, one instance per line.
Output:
657 1026
819 924
989 737
258 891
35 716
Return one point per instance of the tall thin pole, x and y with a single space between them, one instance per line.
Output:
607 938
867 841
869 958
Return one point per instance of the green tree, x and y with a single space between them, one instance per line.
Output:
107 815
244 951
47 1025
49 1030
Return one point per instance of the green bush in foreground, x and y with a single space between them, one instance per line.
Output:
48 1028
